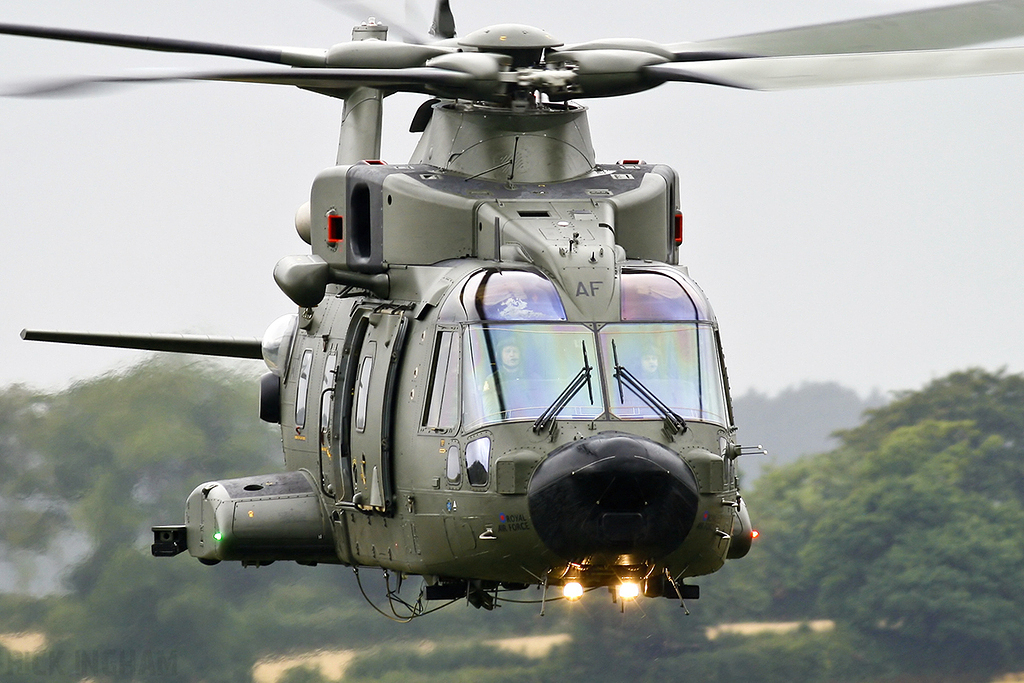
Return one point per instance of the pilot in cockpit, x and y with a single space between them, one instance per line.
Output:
511 389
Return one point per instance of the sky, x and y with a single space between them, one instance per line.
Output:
867 235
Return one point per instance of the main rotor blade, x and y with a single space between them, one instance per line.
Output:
229 347
814 71
416 79
443 25
276 55
927 29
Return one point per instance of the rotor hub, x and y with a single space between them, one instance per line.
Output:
510 37
525 44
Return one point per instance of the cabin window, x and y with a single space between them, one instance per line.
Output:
676 362
302 391
327 390
453 466
442 409
478 461
363 387
504 295
327 396
515 372
659 296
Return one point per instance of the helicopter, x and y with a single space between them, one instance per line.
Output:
466 392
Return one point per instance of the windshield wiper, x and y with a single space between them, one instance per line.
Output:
674 422
582 377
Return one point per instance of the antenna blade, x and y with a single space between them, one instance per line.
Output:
926 29
816 71
229 347
275 55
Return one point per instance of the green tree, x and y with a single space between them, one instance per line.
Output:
912 531
25 524
303 674
908 535
110 457
801 657
914 551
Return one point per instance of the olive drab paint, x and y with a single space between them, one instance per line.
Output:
498 374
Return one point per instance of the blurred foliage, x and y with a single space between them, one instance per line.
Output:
911 532
303 674
402 659
778 658
909 535
797 421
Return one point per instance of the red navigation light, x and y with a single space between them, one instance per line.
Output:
677 225
335 228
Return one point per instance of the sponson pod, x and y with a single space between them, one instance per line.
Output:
612 495
258 520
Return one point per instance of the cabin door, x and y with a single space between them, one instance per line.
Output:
378 337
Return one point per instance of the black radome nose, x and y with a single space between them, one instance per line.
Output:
613 494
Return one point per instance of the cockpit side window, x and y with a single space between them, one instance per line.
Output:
442 409
508 295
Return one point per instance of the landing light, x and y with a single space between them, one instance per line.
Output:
572 590
629 590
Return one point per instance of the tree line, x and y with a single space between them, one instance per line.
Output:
908 535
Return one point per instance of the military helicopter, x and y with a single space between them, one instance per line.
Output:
499 374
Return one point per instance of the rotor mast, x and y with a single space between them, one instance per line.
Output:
363 115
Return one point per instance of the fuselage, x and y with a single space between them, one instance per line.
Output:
500 377
422 431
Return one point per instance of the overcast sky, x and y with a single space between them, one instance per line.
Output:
868 235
